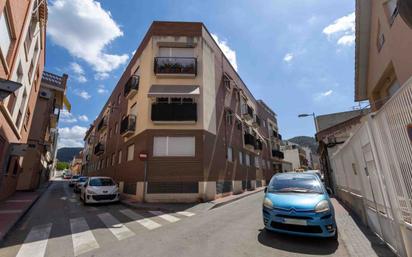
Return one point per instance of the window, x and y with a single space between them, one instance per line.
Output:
226 82
247 159
107 162
113 159
176 52
229 117
174 146
118 99
240 158
5 34
130 152
264 123
257 163
120 156
116 128
230 154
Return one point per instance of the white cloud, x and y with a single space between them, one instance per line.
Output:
83 94
67 117
342 29
101 76
78 71
322 95
71 136
229 53
101 89
85 29
288 57
83 118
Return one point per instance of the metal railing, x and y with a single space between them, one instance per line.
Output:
175 65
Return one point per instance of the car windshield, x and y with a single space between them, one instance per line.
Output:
75 177
295 184
101 182
82 179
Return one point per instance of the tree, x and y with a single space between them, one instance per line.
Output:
62 165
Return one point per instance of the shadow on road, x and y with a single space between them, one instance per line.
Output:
306 245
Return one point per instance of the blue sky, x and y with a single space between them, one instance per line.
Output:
296 55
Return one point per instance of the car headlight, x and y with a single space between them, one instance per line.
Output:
90 192
267 203
322 206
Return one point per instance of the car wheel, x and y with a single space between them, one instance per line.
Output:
84 199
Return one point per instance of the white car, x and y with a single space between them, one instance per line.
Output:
99 190
79 184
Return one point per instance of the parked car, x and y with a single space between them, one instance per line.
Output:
99 190
299 204
67 176
73 180
78 185
317 173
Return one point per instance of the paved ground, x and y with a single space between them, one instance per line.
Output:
59 225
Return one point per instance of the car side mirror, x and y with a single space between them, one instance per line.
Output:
329 191
266 189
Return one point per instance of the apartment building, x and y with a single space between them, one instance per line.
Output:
39 159
22 45
182 103
383 58
295 154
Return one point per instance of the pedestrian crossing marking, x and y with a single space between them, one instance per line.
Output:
145 222
118 229
186 213
82 237
36 241
164 216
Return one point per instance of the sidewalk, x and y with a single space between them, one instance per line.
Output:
13 208
193 207
358 239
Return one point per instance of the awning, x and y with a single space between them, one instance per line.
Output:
67 103
174 90
7 87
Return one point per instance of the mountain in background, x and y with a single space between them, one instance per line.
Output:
305 141
66 154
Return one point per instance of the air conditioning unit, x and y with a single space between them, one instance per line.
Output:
45 93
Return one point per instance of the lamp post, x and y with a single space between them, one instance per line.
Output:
314 119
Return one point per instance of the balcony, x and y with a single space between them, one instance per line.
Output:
277 154
131 87
99 149
128 125
280 137
250 140
102 124
175 66
256 122
258 145
174 112
248 112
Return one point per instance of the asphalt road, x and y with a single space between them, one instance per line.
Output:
59 225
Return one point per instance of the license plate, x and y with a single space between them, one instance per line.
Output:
295 222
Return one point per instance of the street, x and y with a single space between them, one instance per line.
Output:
60 225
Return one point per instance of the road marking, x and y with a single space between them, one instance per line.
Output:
19 201
145 222
164 216
63 198
10 211
36 241
83 239
73 200
118 229
186 213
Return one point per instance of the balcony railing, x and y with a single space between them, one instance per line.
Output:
277 154
128 125
102 124
256 122
250 140
258 145
175 65
248 112
131 87
99 149
165 112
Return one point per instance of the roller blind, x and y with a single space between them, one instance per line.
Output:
176 52
174 146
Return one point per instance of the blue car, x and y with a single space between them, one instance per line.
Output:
299 204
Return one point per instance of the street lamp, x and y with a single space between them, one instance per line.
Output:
314 119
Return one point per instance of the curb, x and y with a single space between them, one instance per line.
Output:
144 208
23 213
237 198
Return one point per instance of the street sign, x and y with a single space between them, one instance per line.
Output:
143 156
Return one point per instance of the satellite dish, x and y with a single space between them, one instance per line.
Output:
405 11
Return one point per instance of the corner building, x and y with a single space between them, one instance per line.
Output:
181 102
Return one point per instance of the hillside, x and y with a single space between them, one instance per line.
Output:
66 154
305 141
